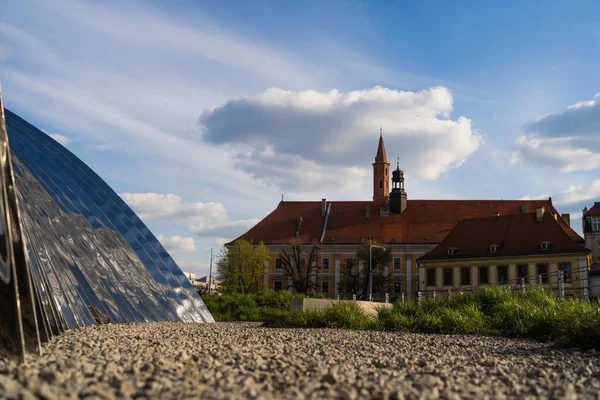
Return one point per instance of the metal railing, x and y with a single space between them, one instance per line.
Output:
558 281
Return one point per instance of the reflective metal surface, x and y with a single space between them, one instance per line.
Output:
91 259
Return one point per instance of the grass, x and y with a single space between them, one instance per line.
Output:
535 313
265 306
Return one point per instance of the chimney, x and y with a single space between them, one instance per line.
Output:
299 225
523 208
323 207
597 203
539 213
566 218
367 211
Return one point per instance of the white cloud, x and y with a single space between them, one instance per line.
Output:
200 268
5 52
573 194
202 219
177 243
580 193
221 241
62 139
568 141
299 137
534 197
102 147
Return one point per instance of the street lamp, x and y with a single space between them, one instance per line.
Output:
210 272
371 266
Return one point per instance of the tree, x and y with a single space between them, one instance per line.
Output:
241 267
356 282
300 266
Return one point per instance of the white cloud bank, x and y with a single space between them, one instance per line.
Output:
569 141
201 219
177 243
296 138
62 139
573 194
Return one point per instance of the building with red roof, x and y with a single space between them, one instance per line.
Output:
513 249
410 228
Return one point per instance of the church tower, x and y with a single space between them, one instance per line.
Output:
398 194
381 173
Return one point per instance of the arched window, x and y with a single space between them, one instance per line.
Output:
380 184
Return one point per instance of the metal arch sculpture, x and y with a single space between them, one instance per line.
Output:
72 253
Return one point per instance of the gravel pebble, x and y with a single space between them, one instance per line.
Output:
246 360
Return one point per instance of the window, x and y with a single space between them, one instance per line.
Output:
380 184
494 248
431 277
451 251
522 271
448 274
545 245
325 287
465 276
397 287
349 264
278 286
596 224
483 275
565 267
542 269
397 264
502 273
278 263
325 264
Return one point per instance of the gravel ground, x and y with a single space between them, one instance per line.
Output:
237 360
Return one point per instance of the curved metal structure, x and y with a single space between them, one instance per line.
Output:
80 255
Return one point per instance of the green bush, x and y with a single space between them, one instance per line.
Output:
535 313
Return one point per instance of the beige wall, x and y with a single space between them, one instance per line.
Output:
574 287
408 255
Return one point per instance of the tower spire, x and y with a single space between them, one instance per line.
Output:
381 169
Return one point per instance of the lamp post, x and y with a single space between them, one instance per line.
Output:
210 272
371 266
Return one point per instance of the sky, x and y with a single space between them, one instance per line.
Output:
202 114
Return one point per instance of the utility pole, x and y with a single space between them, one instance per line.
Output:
210 272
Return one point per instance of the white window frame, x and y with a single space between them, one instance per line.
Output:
323 263
394 264
596 223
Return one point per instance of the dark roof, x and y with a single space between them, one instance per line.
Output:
519 234
423 221
594 211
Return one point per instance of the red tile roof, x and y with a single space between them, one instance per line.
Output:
594 211
423 221
519 234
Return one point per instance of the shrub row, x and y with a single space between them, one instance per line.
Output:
535 313
267 306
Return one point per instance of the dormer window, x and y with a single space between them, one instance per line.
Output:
451 251
494 248
545 245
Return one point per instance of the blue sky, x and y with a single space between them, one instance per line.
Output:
201 114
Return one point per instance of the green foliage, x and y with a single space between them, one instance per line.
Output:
241 267
265 306
342 315
535 313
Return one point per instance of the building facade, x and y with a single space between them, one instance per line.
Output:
409 228
591 232
515 250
